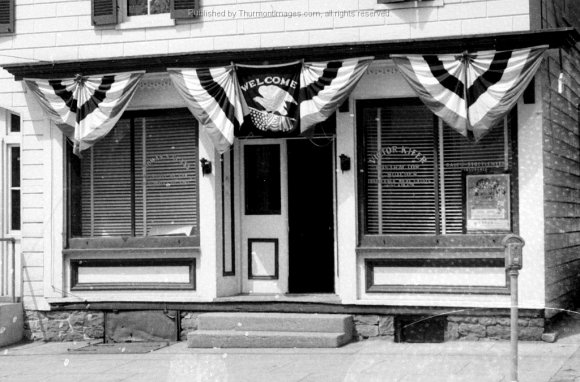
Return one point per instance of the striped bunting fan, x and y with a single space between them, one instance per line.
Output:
471 92
90 105
325 85
212 97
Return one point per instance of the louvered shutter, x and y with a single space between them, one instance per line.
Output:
104 12
170 173
184 9
6 16
400 169
461 157
106 185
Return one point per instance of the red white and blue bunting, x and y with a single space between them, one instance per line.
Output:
212 97
90 105
471 92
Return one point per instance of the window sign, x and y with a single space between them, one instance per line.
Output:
488 202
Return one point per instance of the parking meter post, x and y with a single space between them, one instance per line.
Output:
513 257
513 273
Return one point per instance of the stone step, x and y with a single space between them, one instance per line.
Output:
11 323
264 339
277 322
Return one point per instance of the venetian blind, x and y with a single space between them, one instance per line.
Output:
106 184
460 157
170 172
400 169
142 176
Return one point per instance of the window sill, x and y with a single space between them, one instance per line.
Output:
133 243
390 4
151 21
434 242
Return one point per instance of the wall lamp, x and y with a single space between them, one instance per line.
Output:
205 166
344 162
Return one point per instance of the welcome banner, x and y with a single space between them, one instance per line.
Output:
270 93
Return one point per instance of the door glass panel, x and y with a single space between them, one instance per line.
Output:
262 179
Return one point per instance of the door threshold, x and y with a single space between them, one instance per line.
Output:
326 298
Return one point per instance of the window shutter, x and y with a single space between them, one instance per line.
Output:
400 170
6 16
104 12
184 9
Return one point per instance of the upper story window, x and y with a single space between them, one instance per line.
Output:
398 4
141 13
419 177
147 7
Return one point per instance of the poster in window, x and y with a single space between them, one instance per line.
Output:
487 202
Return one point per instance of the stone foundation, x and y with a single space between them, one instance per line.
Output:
477 328
63 326
188 324
87 325
369 326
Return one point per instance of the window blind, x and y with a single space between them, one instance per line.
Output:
461 157
142 177
400 169
414 168
170 172
106 185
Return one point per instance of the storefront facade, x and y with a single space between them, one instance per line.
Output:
380 211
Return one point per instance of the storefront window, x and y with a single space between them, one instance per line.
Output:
140 180
414 172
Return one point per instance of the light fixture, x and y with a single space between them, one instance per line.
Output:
205 166
344 162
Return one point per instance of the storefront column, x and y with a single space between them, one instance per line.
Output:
207 263
531 201
346 215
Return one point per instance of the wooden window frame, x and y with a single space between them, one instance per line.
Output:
428 240
124 242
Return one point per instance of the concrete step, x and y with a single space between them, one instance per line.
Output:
272 322
11 323
264 339
271 330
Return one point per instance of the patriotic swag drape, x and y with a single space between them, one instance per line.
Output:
220 97
90 105
471 92
212 97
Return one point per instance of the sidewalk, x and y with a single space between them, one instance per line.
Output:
368 361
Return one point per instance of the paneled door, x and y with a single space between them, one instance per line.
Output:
264 216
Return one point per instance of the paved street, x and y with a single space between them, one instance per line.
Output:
372 360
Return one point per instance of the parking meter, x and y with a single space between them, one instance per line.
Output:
513 257
513 250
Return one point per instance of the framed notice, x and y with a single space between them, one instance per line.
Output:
487 202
